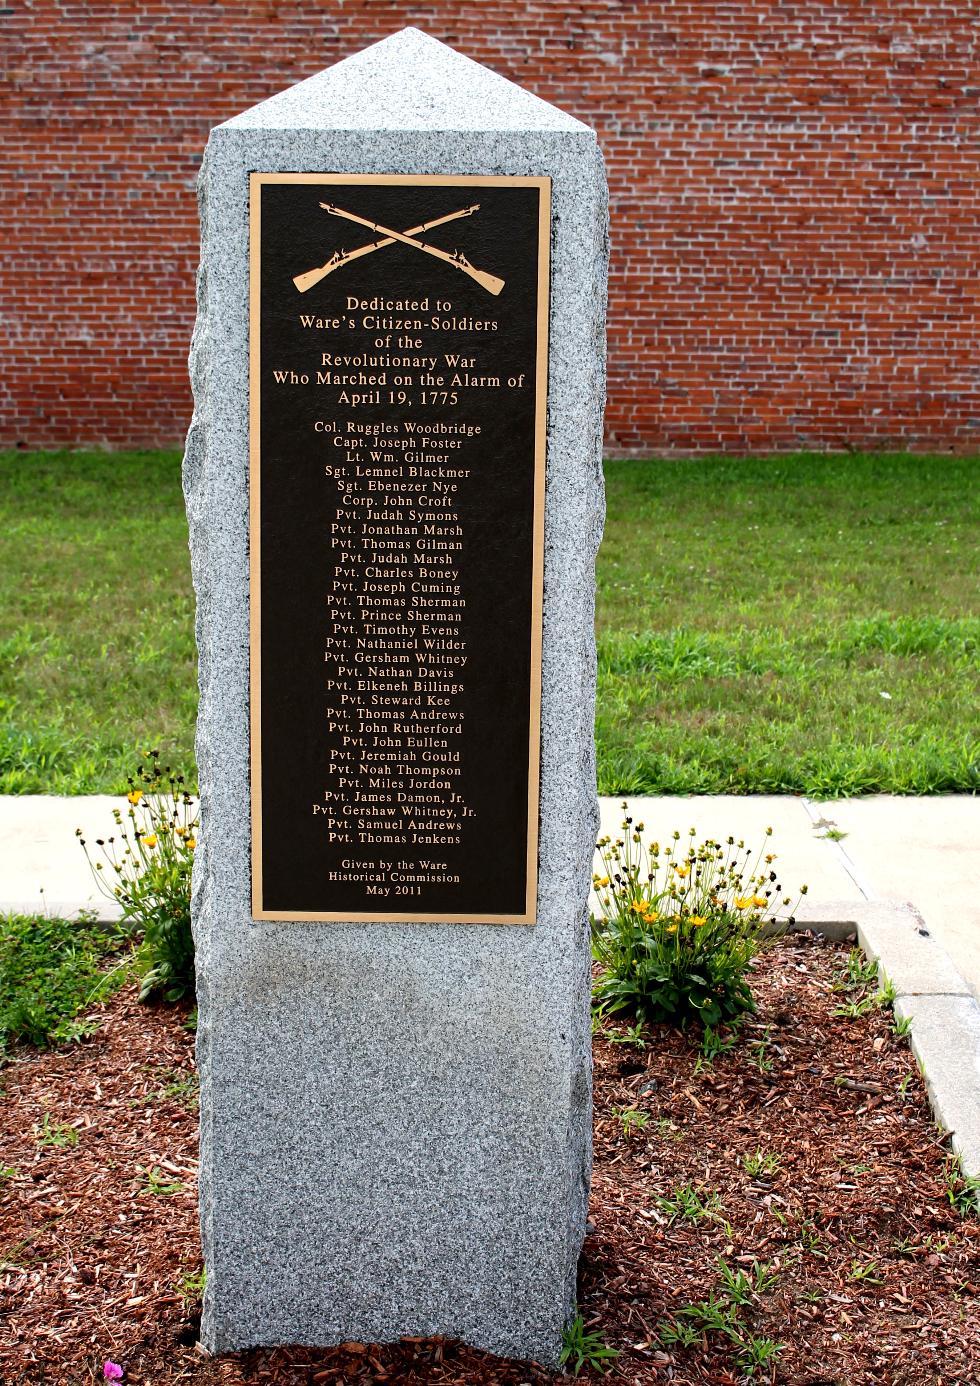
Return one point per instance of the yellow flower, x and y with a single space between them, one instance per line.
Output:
683 871
651 918
134 796
638 907
181 832
672 928
604 882
150 840
697 919
759 901
191 843
743 902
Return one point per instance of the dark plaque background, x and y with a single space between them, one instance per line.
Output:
298 503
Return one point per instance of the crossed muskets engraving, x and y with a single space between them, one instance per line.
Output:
458 260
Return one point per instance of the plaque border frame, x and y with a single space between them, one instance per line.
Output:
257 179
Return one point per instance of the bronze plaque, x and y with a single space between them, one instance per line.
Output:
398 388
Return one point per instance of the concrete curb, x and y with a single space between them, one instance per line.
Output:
104 910
930 992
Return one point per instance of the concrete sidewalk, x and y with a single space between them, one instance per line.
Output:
925 851
42 866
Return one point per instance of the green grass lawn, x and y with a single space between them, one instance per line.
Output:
97 657
752 613
805 623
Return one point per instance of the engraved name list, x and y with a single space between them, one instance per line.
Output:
398 357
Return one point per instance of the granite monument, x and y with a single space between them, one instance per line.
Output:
394 490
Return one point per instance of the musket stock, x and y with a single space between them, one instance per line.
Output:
310 277
313 276
490 282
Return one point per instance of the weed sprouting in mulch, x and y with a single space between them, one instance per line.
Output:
777 1209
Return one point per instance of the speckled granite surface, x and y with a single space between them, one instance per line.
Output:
396 1118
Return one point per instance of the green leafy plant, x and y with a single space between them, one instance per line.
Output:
679 926
763 1277
148 872
743 1287
56 1135
191 1287
859 982
50 970
580 1348
758 1164
855 1008
757 1352
902 1026
632 1120
79 1028
714 1043
692 1204
962 1190
155 1182
759 1055
859 972
713 1315
885 996
736 1284
724 1314
667 1129
632 1036
811 1239
679 1332
177 1086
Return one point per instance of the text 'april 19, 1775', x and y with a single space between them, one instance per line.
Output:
398 379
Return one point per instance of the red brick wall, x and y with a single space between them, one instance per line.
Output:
795 203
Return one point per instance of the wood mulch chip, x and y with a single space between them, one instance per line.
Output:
874 1275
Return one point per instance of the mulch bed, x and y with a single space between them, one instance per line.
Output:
876 1276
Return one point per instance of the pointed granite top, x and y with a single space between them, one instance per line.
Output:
409 81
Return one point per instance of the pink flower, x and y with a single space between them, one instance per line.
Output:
112 1371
